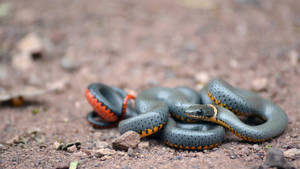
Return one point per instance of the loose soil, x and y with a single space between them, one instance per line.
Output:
136 45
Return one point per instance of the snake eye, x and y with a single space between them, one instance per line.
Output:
194 111
199 111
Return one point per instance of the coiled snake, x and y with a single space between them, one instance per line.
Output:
198 119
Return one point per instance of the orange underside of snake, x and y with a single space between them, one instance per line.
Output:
105 113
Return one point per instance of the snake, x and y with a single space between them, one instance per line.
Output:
184 118
109 104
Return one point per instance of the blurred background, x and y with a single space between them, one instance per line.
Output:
51 50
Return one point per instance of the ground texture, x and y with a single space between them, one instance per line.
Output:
135 45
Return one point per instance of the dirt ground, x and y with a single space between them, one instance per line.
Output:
133 44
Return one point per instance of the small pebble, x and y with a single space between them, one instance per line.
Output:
104 152
121 153
130 152
30 48
144 145
56 145
286 146
31 44
202 77
232 156
102 144
294 57
275 158
129 139
104 158
178 157
72 149
87 152
292 153
2 147
260 84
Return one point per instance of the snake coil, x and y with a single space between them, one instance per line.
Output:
198 119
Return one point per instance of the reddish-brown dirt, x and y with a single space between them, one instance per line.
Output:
136 45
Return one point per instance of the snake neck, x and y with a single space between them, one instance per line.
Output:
226 117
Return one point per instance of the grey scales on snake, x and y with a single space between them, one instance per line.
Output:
198 119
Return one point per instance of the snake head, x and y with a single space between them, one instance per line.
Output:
200 111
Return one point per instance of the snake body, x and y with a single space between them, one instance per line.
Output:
109 103
153 106
233 101
218 103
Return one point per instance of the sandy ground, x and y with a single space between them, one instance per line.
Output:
132 44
